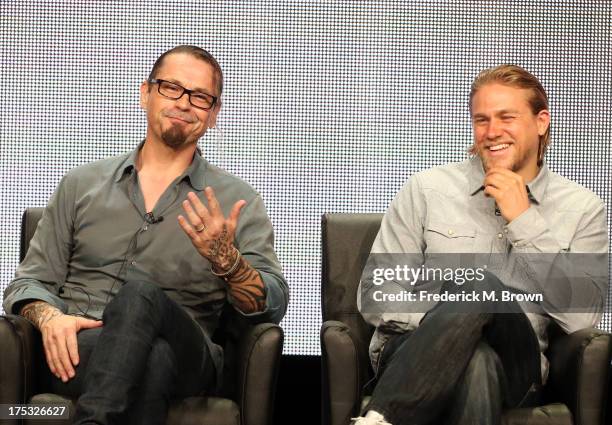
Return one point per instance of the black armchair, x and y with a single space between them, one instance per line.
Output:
252 358
579 363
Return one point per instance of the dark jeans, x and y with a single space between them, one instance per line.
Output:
148 351
460 368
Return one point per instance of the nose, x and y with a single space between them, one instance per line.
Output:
494 129
183 102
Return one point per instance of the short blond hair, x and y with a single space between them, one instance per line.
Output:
517 77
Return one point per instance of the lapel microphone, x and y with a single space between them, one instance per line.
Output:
151 219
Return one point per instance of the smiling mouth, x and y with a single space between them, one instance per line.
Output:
499 147
179 119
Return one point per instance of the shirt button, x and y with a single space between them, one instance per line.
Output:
133 262
500 235
145 228
451 232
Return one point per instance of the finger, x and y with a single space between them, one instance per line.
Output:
60 372
506 181
213 204
234 215
64 356
73 348
199 207
194 219
84 323
508 174
49 359
187 228
496 182
493 192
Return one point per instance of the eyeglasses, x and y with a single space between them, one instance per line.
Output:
175 91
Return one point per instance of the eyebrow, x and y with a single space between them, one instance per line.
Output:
195 89
500 112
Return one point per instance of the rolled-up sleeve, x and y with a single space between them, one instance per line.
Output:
580 269
255 240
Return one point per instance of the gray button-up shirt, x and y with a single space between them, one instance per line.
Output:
93 236
444 210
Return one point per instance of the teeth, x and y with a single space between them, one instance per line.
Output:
498 147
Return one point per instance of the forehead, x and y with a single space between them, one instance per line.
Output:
496 97
189 71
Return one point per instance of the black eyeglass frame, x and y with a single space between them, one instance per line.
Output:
184 90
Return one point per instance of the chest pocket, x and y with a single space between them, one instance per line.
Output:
445 237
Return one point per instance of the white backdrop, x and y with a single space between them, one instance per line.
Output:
329 106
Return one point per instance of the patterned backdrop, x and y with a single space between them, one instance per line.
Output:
329 106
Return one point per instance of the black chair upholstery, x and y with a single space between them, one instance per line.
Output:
579 363
252 358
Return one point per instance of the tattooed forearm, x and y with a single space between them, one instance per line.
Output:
247 288
39 312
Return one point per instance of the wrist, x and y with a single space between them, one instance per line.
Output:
230 264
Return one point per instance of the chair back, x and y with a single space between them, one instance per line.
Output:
29 221
346 243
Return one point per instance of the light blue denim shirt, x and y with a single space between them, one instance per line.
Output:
444 210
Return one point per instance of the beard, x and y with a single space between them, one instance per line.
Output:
513 163
174 137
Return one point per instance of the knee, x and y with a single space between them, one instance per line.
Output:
491 283
139 289
162 368
484 364
134 297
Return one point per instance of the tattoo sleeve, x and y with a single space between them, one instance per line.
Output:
39 312
247 288
245 284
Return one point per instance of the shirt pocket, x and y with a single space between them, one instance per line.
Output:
445 237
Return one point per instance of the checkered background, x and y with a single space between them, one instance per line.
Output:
329 106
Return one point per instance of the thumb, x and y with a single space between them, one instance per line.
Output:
235 214
83 323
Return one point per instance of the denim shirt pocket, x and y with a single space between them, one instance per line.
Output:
450 237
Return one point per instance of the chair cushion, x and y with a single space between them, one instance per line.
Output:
189 411
550 414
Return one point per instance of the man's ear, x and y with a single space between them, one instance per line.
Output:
212 117
543 118
144 95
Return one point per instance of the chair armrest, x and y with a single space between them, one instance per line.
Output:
579 367
344 372
259 360
19 340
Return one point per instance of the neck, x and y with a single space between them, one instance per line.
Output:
161 160
530 173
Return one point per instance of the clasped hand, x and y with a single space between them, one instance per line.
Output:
509 191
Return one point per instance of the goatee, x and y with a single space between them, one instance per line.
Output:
173 137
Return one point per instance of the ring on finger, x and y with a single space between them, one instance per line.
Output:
201 228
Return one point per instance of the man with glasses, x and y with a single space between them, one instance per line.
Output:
136 255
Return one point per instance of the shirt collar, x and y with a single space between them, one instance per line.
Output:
536 187
129 164
194 174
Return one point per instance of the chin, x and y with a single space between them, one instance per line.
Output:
489 163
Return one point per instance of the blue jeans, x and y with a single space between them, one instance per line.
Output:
148 351
460 367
